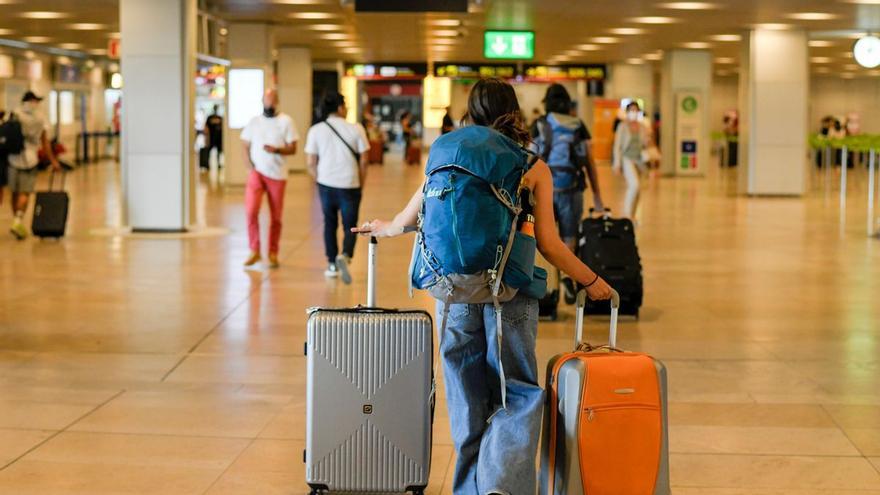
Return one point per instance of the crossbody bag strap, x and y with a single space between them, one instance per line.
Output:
354 153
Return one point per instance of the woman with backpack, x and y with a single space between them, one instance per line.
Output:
473 176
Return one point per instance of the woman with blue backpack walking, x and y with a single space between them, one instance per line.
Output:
484 208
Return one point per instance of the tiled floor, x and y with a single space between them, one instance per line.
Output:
160 366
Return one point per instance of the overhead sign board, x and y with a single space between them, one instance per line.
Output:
474 71
510 45
387 70
411 6
565 72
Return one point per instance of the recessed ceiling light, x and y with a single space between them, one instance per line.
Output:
70 46
86 26
311 15
443 41
5 32
653 19
726 37
572 53
223 31
36 39
725 60
635 61
688 5
324 27
697 45
820 60
588 47
43 14
98 51
605 39
116 35
351 49
334 36
812 16
820 43
653 56
822 70
773 26
446 33
627 31
445 22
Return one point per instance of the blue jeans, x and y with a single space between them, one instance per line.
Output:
335 203
568 207
496 448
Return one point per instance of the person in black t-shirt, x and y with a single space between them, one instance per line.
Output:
214 128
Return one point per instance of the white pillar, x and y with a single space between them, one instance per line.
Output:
295 94
632 81
249 47
773 98
685 72
158 66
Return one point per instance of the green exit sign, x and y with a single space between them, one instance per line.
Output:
517 45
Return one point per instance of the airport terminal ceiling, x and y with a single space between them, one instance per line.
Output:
567 31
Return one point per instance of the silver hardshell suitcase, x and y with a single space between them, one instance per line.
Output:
587 448
369 404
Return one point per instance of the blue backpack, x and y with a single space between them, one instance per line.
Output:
468 249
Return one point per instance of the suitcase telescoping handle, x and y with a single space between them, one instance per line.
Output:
371 273
52 179
579 318
605 213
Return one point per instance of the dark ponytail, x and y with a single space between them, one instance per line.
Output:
493 103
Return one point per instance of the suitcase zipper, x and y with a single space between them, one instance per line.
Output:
592 410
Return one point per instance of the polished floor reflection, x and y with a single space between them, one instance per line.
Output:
161 366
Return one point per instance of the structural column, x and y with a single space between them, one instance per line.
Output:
685 89
295 93
158 67
773 100
250 46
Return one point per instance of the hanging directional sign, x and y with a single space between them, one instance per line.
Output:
516 45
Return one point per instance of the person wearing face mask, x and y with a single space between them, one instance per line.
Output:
630 140
266 140
23 166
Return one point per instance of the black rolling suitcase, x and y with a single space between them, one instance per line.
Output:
50 211
608 246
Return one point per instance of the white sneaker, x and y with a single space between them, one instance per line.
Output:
331 271
342 265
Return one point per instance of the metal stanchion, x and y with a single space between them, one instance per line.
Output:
871 192
843 167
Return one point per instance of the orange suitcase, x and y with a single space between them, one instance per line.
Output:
605 427
377 152
414 153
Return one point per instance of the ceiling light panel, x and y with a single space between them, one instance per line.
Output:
36 39
70 46
697 45
86 26
627 31
820 60
726 37
5 32
445 22
688 5
312 15
324 27
43 14
812 16
588 47
446 33
725 60
653 19
605 40
773 26
820 43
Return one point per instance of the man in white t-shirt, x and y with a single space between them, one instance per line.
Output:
267 139
23 166
337 159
